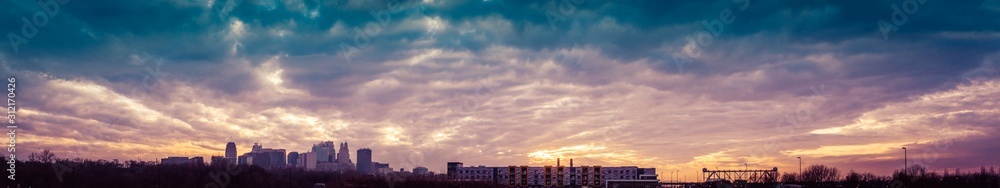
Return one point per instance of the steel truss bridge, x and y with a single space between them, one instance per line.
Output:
751 176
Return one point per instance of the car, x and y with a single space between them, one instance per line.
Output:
791 186
319 185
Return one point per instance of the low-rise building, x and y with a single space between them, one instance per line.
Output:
420 170
381 168
546 176
182 160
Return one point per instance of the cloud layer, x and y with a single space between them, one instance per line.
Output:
672 85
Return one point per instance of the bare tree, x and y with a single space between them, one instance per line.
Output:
916 170
789 178
45 157
820 173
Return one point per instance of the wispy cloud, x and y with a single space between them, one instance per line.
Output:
494 83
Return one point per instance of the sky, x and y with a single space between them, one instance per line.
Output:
675 85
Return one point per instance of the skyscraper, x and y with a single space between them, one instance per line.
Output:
365 161
309 160
324 152
344 156
293 158
231 152
277 157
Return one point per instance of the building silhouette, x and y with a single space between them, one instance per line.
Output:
420 170
344 156
293 158
197 160
309 160
525 176
324 157
231 152
220 160
263 157
365 161
324 152
381 168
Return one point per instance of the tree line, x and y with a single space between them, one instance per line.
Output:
47 170
915 176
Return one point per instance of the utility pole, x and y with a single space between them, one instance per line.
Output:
800 166
904 160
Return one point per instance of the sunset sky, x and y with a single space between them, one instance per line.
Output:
675 85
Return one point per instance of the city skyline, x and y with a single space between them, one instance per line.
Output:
673 85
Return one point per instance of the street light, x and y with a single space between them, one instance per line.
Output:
800 165
904 160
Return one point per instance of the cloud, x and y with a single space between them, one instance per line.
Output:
499 83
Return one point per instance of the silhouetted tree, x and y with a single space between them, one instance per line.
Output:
85 173
820 173
789 177
916 170
45 157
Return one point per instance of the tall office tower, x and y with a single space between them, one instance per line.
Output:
231 152
293 158
331 152
344 156
324 152
365 161
309 161
277 157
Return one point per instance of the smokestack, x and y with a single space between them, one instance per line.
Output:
557 162
571 163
